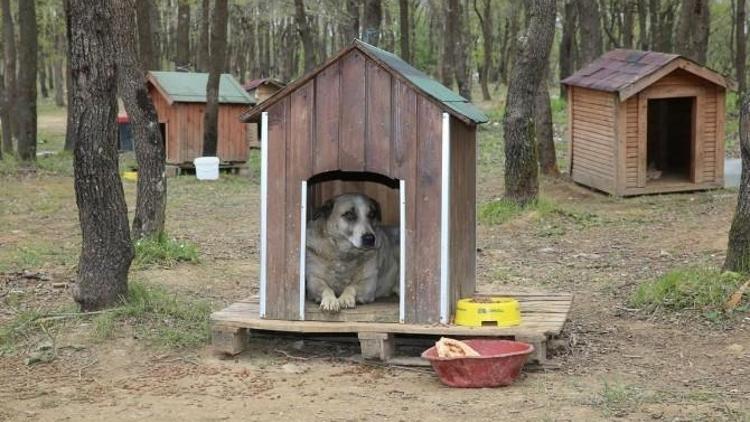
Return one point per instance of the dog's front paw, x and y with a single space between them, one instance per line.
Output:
329 303
348 298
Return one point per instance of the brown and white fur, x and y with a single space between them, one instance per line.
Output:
350 257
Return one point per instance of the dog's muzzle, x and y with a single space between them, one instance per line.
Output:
368 240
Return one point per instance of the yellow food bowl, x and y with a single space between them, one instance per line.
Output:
490 311
131 176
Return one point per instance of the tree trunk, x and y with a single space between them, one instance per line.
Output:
545 140
653 23
372 21
461 48
350 25
404 29
43 76
27 72
182 41
590 31
305 34
148 50
521 169
643 25
485 23
151 200
106 250
203 41
57 75
693 30
738 249
9 69
628 22
5 121
449 37
567 43
218 52
510 49
741 48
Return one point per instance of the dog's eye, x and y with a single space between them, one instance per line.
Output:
350 216
371 215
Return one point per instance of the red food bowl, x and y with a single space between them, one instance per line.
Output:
499 363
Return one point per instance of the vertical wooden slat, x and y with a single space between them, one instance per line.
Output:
642 139
719 140
698 137
427 265
378 120
404 165
276 299
571 104
326 120
352 133
298 155
621 139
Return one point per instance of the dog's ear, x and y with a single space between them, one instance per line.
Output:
324 211
375 206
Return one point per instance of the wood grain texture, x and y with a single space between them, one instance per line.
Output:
377 119
326 120
353 112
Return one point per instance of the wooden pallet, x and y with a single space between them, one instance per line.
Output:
543 316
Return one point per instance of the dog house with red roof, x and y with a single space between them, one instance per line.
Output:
643 122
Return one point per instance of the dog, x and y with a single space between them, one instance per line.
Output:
350 257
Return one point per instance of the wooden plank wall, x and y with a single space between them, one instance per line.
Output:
361 119
185 130
463 236
632 161
593 138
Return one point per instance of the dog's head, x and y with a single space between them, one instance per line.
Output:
352 217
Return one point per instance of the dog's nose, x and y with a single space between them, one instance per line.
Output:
368 239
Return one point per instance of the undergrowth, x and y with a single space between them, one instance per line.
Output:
164 251
500 211
702 290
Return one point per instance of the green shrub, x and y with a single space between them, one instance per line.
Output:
701 289
498 211
163 250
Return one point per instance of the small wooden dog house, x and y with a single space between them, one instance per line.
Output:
366 121
180 102
644 122
259 90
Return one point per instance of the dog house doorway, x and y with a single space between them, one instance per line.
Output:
390 195
670 139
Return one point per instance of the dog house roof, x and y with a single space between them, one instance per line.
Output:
627 72
186 87
453 103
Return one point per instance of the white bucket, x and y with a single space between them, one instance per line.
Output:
206 168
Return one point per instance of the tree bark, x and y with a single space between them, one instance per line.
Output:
510 47
404 29
521 169
182 41
27 71
305 34
106 250
590 31
628 22
460 48
485 23
9 57
203 40
151 200
448 72
643 25
372 22
545 140
567 43
350 25
43 76
738 248
741 48
218 52
693 29
148 49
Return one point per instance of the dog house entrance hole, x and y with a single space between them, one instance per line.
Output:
670 140
387 192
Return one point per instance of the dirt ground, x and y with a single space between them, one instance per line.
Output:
611 363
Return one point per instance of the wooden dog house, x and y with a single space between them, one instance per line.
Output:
180 102
644 122
366 121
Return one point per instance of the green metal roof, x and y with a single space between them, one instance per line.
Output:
428 85
191 87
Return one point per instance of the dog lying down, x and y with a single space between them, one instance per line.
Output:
350 257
